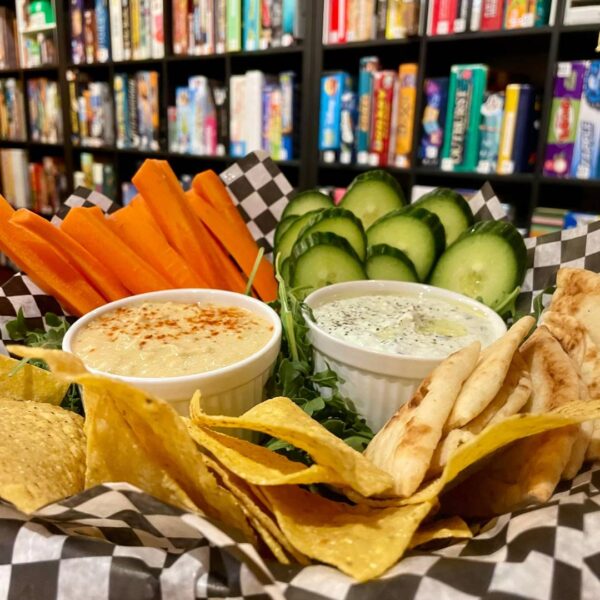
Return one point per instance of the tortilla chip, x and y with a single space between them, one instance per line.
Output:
502 434
578 294
258 516
281 418
452 528
405 445
114 453
42 453
360 541
526 473
62 364
27 382
256 464
511 398
486 380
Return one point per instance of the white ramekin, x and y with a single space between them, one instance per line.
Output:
378 383
230 390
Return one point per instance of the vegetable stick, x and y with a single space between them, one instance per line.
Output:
136 228
241 249
48 268
6 210
163 194
81 258
90 231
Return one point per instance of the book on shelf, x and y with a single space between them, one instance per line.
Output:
492 112
136 110
12 110
9 57
384 89
333 86
362 20
91 111
95 175
367 66
40 186
435 91
45 117
406 107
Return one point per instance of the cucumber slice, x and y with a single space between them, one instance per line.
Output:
290 235
285 269
487 262
306 202
452 209
341 222
373 194
282 227
415 231
387 262
323 258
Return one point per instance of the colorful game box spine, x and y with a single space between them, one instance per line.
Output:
266 24
255 81
395 20
71 78
89 35
122 110
407 99
564 116
234 25
517 15
586 154
507 135
290 15
252 22
491 125
287 84
268 90
157 29
132 119
275 128
237 92
209 27
366 20
102 31
475 17
524 130
181 139
412 16
116 30
465 97
352 19
383 94
331 22
444 12
196 115
368 65
77 38
333 85
348 116
126 28
491 15
180 26
460 18
433 121
220 26
381 11
542 12
220 99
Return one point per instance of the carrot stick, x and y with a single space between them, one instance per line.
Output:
81 258
163 194
209 185
85 226
6 210
48 268
242 250
136 228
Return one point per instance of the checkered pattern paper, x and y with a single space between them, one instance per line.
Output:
114 542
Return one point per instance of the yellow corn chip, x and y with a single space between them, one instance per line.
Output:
452 528
281 418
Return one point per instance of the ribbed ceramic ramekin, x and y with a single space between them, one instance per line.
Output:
230 390
379 383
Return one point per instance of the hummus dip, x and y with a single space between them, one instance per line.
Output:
415 325
169 339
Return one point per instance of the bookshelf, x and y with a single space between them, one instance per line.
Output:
531 52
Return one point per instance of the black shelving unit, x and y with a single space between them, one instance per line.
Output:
529 53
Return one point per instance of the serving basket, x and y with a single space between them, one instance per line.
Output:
115 542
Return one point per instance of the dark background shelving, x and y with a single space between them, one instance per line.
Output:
528 54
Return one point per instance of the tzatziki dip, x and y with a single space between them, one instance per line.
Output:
412 325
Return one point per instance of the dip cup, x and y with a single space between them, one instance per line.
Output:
230 390
379 382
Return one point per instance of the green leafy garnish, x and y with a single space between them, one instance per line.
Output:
52 338
294 378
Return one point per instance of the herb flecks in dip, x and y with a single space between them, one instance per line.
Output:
410 325
169 339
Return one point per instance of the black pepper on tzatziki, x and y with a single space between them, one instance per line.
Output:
415 325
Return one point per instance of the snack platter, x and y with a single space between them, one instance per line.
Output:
387 529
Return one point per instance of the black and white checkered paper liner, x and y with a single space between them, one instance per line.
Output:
114 542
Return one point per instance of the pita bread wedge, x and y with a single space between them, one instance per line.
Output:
447 446
593 450
406 443
489 375
578 294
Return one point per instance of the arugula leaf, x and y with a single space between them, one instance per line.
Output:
294 378
52 338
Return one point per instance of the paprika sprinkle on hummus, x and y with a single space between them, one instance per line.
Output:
170 339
